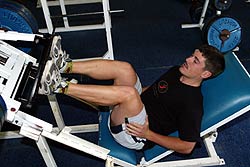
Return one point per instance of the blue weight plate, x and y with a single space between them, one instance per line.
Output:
16 17
22 11
13 21
217 28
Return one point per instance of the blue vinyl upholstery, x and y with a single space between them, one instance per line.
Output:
226 94
223 96
106 140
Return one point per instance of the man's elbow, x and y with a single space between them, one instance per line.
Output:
187 151
188 148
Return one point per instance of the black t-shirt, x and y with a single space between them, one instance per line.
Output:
173 106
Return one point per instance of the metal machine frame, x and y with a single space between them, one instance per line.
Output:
201 21
11 72
67 27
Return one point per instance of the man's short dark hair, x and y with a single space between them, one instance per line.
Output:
215 62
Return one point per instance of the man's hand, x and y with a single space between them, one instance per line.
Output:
138 130
172 143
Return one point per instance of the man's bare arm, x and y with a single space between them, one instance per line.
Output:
172 143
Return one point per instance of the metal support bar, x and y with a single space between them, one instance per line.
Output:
67 27
157 158
68 2
77 28
109 162
75 142
46 14
16 36
56 111
74 129
106 24
107 20
188 163
212 160
45 151
201 21
87 14
63 9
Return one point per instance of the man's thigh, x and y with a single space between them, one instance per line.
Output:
130 107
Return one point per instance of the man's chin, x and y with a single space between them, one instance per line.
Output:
182 70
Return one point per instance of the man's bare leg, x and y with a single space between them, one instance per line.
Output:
125 99
122 95
122 72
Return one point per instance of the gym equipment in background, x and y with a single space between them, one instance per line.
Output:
66 18
222 32
16 17
195 11
222 5
197 7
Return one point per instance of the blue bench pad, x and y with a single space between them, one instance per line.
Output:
106 140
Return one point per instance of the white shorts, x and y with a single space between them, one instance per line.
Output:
119 133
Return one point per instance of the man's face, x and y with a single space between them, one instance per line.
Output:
194 66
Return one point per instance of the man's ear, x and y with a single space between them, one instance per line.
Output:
206 74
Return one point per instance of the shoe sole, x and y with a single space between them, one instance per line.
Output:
56 52
51 78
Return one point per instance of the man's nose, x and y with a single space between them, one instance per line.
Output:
189 58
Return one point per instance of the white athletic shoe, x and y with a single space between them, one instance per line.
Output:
58 55
51 79
64 85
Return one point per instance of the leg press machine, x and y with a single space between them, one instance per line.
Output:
226 97
16 69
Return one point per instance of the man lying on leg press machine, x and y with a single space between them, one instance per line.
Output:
141 117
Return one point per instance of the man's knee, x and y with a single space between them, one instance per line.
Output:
127 69
125 74
128 93
131 102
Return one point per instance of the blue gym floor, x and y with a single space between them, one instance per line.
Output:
149 36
